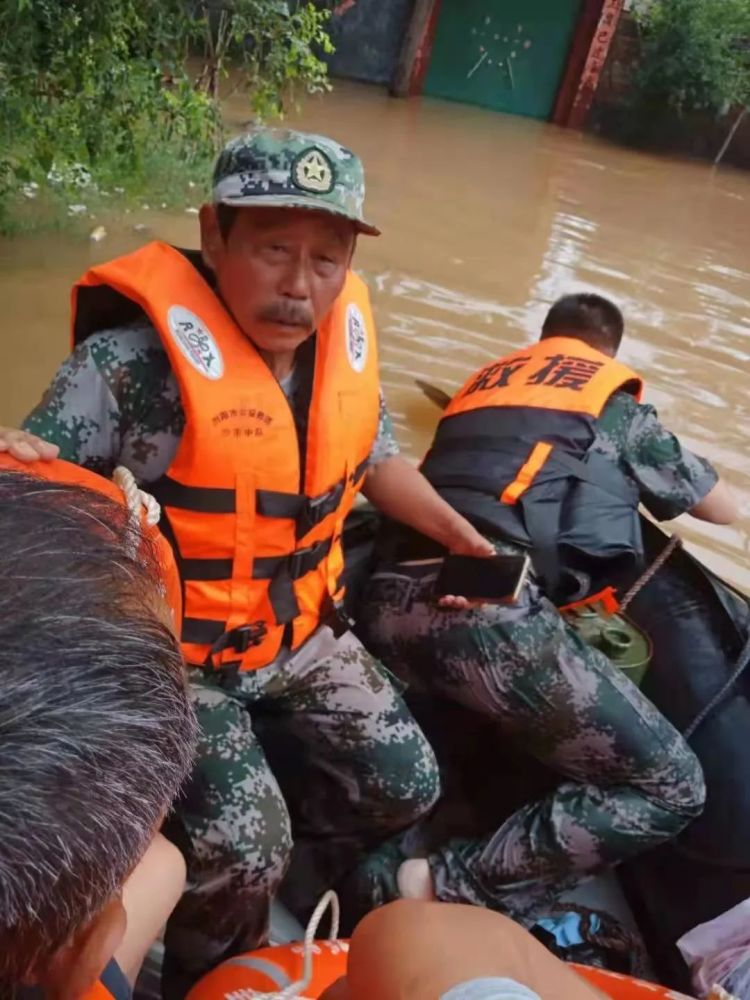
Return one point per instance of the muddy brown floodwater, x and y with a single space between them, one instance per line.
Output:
486 219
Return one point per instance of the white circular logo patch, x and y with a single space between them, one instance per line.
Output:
194 340
356 337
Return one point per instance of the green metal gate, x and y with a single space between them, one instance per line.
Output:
503 54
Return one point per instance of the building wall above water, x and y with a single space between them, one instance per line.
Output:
368 37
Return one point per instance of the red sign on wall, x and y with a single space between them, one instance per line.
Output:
597 55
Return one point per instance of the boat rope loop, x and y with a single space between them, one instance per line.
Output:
295 989
742 662
137 501
674 543
743 659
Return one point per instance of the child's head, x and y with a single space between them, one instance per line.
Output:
96 729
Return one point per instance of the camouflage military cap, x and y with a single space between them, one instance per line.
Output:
279 167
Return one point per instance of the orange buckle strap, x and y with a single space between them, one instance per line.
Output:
527 473
607 598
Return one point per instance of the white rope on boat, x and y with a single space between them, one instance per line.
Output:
137 501
295 989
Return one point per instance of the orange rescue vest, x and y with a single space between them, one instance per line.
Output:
58 471
255 521
558 373
512 453
100 992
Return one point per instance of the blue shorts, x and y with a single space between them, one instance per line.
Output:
113 979
490 989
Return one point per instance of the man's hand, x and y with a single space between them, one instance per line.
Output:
402 492
26 447
466 542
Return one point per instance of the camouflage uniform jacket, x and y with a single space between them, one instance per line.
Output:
670 478
115 401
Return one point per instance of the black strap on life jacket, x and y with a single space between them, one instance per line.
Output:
575 467
542 521
544 530
615 485
281 571
305 511
293 566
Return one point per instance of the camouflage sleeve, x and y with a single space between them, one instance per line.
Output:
79 413
671 478
386 445
114 401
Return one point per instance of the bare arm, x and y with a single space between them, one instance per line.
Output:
672 480
150 894
400 491
718 506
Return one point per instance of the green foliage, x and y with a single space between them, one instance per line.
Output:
274 44
101 94
695 55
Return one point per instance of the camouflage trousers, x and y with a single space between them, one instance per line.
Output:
344 764
629 782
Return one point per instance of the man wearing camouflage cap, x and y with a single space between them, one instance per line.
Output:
241 387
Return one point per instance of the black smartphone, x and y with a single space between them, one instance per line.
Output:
494 580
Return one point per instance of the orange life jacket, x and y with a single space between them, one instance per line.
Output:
270 970
58 471
512 453
100 992
254 519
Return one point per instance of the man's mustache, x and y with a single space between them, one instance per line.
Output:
288 314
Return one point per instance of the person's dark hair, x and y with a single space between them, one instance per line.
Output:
590 318
225 216
96 728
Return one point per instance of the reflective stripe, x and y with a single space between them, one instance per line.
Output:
527 473
277 975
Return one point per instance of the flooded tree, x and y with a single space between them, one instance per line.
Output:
104 95
273 45
695 57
